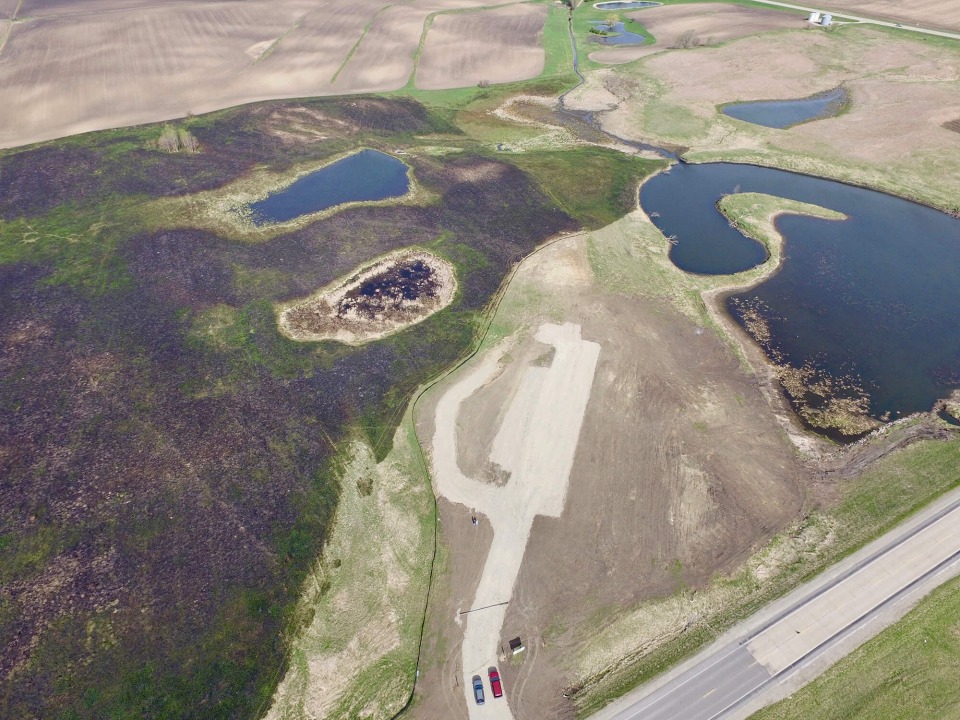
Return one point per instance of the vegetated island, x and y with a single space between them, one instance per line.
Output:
377 300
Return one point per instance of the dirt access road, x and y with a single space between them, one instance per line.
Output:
535 444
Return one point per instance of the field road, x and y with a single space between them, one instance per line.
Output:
873 21
799 636
536 444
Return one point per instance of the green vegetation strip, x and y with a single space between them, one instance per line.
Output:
908 671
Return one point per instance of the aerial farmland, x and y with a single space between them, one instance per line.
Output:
458 359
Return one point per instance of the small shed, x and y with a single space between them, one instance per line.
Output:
516 646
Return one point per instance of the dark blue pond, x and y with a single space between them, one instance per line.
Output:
620 35
625 5
786 113
874 299
366 175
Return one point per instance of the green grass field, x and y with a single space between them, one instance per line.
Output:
908 672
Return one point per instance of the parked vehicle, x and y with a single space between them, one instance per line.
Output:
495 684
478 689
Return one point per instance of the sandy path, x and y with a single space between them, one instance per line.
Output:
536 444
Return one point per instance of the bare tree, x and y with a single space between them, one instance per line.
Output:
168 141
187 141
686 40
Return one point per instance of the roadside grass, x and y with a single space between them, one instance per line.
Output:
891 490
362 608
907 671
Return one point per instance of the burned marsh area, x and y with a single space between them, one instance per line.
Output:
168 460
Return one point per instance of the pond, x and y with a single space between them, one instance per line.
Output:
619 35
787 113
870 304
366 175
625 5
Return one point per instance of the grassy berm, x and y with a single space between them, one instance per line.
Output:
167 458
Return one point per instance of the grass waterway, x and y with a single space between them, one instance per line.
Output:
867 306
787 113
363 176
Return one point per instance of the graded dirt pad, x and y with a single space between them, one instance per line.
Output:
926 13
679 471
75 67
494 46
698 24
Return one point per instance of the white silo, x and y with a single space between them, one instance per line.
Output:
826 19
814 17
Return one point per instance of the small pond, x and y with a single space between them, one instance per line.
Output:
366 175
869 304
619 35
625 5
786 113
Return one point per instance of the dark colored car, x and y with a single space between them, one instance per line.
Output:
495 684
478 689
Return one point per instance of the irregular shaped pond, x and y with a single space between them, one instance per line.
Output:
619 35
625 5
366 175
786 113
867 309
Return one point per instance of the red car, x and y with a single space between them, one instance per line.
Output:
495 682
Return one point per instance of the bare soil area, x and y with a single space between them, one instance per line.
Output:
696 24
680 470
493 46
927 13
393 293
76 67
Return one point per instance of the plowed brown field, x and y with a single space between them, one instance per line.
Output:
94 64
494 45
701 23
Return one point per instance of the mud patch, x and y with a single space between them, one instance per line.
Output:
377 300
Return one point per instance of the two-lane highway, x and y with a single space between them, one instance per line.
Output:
858 596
